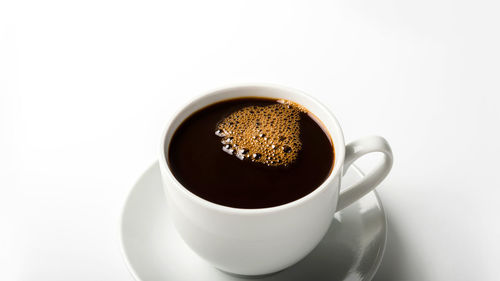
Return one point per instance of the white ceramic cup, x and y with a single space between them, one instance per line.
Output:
267 240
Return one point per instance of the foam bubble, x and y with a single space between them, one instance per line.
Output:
265 134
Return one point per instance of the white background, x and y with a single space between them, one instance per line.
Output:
87 86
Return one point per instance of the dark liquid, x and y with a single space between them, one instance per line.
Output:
197 161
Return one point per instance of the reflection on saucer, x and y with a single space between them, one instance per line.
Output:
352 249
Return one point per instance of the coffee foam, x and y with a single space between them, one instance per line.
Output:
268 135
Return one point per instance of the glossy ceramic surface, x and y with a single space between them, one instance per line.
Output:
351 250
256 242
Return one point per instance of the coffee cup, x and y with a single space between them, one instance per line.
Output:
266 240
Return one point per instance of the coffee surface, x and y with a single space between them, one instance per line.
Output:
251 153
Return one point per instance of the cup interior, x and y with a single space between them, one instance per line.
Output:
327 119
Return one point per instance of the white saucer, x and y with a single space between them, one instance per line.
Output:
154 250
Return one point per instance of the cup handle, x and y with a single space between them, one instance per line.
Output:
355 150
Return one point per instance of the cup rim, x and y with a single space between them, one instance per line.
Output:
339 150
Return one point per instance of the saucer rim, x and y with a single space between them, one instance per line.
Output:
369 276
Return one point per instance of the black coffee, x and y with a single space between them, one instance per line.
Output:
251 153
